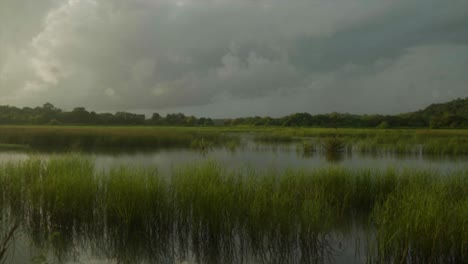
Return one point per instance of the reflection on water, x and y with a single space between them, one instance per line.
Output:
144 245
260 157
160 239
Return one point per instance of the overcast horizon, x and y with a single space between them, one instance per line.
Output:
232 58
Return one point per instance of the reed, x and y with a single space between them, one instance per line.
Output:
222 215
433 142
425 222
95 138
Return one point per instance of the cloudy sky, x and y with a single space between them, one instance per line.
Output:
229 58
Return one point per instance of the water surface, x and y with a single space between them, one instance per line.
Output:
336 248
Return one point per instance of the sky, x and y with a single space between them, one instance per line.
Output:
232 58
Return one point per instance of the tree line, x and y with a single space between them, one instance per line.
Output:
48 114
344 120
453 114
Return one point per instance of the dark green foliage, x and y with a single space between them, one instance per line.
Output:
49 114
453 114
455 108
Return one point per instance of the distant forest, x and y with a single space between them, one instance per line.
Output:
453 114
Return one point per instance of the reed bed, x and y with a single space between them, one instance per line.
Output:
96 138
401 141
212 214
426 222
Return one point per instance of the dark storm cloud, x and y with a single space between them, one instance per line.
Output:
387 36
231 58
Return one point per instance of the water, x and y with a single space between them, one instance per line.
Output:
259 157
342 249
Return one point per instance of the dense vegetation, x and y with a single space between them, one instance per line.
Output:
400 141
93 138
101 138
453 114
49 114
221 216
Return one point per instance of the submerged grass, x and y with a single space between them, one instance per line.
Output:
222 215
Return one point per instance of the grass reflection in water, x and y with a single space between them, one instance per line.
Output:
209 214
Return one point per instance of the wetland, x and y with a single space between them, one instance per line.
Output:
232 195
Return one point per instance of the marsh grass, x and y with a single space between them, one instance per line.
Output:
102 138
92 138
401 141
220 215
372 141
425 222
202 145
306 149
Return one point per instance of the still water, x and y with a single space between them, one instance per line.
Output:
333 248
255 156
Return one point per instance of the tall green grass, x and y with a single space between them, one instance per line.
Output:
426 222
214 215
